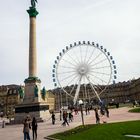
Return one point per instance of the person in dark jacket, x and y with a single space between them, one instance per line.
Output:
107 111
53 118
97 116
34 128
65 115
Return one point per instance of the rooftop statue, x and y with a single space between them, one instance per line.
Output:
33 3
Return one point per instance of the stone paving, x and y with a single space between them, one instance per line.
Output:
15 132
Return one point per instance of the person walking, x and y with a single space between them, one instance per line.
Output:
53 118
97 116
34 128
60 114
107 111
65 115
70 116
26 129
86 110
102 115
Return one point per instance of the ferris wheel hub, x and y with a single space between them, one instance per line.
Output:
83 69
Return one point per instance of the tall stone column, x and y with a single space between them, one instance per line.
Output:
32 81
32 42
32 49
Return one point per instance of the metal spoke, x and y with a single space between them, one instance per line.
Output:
72 79
81 53
66 72
99 62
74 60
100 73
65 90
77 58
95 84
95 58
69 62
100 67
98 78
67 77
86 53
91 55
72 89
93 89
66 67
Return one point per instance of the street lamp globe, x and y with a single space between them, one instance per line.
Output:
80 102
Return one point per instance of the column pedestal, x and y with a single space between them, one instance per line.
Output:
32 105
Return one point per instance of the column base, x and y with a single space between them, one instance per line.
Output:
38 110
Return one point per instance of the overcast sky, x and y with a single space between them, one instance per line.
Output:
115 24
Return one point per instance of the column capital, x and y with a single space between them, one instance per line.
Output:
32 80
32 12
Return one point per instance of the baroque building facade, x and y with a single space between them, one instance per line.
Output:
9 97
123 92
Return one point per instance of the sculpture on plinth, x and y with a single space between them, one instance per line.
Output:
21 93
33 3
36 91
43 92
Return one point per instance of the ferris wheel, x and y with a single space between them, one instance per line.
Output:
84 70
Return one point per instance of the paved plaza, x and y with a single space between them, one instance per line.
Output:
15 132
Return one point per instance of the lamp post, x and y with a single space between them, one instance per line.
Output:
81 108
